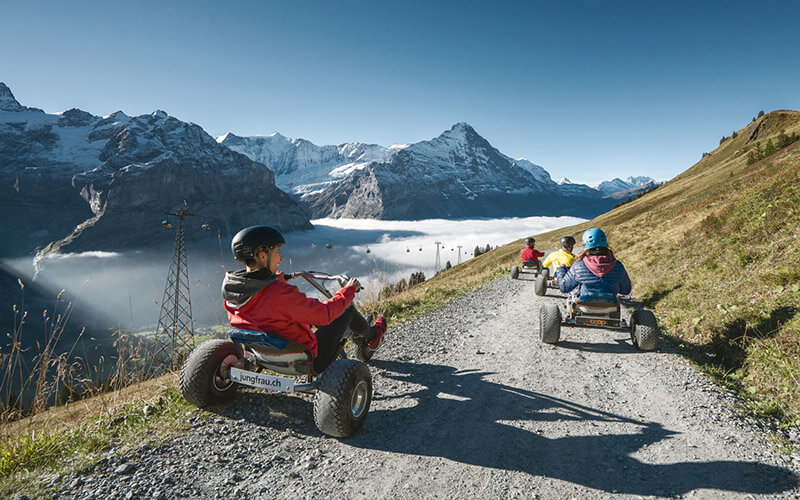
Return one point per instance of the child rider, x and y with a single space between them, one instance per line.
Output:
562 257
259 298
529 256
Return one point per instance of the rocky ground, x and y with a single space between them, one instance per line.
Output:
468 403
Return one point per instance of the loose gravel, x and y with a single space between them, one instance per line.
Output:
468 403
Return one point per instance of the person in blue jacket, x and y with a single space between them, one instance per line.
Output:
598 274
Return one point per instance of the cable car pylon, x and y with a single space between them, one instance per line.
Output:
175 334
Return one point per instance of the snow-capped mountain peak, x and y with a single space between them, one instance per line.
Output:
616 184
538 172
113 173
75 118
9 103
639 181
461 132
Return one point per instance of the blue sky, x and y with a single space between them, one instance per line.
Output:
589 90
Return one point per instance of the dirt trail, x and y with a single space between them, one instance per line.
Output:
470 404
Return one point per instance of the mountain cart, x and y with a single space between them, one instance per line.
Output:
343 392
526 268
598 312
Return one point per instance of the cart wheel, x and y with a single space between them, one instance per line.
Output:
540 285
202 382
549 323
644 330
514 272
343 398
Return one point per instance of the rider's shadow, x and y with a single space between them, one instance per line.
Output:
619 345
460 416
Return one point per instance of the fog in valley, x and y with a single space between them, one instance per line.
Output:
124 290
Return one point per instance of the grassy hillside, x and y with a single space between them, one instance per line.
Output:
713 253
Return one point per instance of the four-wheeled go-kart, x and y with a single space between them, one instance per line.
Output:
528 267
343 392
598 311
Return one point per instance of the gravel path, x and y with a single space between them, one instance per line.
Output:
469 403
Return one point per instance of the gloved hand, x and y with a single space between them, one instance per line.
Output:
355 283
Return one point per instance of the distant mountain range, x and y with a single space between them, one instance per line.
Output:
73 181
458 174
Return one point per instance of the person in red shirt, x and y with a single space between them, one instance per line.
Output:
259 298
529 256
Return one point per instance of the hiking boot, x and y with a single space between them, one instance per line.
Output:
380 328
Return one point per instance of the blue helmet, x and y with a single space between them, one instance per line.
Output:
593 238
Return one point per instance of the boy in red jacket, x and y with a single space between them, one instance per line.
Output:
530 257
259 298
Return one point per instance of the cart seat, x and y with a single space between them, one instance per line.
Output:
274 352
597 304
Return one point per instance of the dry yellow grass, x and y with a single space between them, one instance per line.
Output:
70 414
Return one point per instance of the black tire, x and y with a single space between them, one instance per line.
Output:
540 285
546 273
549 323
343 398
201 383
644 330
514 272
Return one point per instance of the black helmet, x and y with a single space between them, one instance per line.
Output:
251 240
530 241
567 241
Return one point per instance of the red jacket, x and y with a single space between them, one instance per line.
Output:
282 309
529 254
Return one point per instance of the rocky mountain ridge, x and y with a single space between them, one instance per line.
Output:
458 174
74 181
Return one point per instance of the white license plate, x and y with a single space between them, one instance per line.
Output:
281 384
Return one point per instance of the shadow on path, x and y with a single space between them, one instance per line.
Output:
619 345
462 417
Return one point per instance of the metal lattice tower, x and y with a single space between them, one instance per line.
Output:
459 253
175 334
438 264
